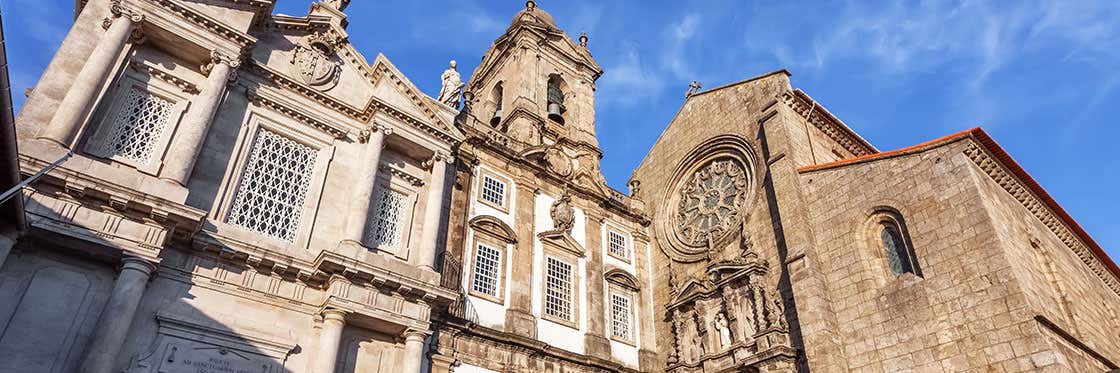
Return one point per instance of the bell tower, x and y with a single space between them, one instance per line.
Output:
537 86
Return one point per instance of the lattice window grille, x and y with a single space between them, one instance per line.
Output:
621 312
493 190
616 243
487 264
558 289
386 229
136 127
273 186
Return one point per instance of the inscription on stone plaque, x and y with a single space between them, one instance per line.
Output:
210 360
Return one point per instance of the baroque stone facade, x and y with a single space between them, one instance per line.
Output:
244 191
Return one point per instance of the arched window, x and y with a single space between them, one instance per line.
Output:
556 107
496 100
895 242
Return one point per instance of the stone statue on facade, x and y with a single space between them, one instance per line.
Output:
452 86
563 216
724 331
337 4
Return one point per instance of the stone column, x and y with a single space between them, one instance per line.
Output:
413 351
329 339
116 318
187 142
83 93
595 341
426 255
362 206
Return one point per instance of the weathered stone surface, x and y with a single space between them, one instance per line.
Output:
760 232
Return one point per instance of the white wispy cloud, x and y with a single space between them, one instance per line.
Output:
679 35
630 81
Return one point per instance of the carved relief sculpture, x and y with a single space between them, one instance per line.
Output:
563 217
314 62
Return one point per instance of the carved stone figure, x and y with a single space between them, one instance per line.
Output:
779 312
337 4
452 86
693 88
563 217
724 332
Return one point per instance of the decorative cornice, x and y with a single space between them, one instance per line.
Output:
155 72
1013 186
362 115
210 24
253 96
825 122
416 181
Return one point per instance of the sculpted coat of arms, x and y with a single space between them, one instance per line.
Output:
314 63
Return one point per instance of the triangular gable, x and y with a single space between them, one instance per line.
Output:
409 97
381 86
690 290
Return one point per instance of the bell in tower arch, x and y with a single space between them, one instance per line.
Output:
555 99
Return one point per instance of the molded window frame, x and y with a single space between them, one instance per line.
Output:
506 186
118 93
256 119
386 182
500 281
574 288
614 290
883 218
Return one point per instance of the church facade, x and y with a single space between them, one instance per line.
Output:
242 191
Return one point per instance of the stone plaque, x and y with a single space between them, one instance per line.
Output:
186 347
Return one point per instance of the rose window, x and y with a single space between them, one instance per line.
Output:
711 202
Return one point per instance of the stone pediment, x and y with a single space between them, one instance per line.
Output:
494 227
691 290
562 240
314 57
622 278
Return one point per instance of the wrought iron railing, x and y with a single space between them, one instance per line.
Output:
452 273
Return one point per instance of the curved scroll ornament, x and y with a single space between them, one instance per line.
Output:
711 202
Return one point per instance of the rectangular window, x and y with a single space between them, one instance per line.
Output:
273 186
621 312
493 191
616 245
487 267
386 229
558 289
135 128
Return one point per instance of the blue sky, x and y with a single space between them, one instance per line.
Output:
1041 76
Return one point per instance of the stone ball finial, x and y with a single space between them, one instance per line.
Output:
530 4
583 39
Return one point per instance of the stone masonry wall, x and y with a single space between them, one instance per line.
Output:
966 313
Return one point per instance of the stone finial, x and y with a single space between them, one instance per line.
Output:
530 5
583 39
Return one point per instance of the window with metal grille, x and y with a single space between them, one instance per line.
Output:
386 229
487 264
136 127
558 289
616 244
273 186
493 190
620 316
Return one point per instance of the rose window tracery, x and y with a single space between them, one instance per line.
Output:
711 202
